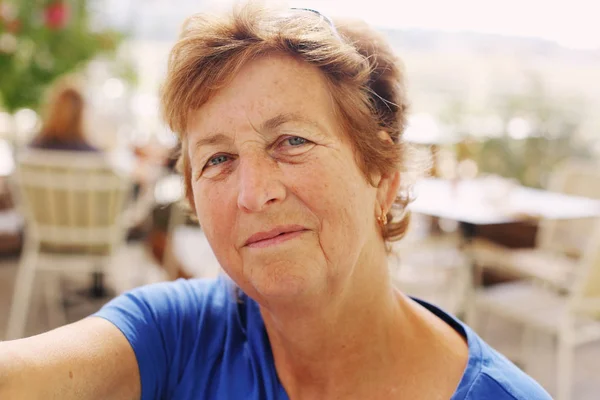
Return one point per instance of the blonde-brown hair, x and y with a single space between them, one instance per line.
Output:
63 117
361 69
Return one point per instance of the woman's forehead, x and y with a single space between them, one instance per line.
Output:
264 89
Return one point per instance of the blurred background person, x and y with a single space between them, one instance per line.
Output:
63 128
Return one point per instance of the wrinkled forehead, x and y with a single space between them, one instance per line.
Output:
263 88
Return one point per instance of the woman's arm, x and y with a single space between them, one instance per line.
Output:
90 359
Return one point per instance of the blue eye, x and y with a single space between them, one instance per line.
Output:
218 160
296 141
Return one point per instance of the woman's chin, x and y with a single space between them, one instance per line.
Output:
285 273
285 285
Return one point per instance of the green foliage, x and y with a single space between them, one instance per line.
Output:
41 40
553 123
529 160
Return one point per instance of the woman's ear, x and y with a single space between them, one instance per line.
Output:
387 190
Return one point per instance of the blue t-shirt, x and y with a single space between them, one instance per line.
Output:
195 339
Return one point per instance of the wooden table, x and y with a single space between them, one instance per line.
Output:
485 201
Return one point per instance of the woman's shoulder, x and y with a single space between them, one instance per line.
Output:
176 300
174 328
175 315
489 374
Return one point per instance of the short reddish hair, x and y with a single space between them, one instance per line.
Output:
362 72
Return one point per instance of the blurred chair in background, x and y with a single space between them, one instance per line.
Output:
74 207
559 244
574 318
578 178
10 220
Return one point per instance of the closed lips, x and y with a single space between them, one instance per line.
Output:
278 231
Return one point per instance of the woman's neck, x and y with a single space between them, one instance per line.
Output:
366 341
320 348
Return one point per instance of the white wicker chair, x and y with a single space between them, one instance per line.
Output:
573 318
553 261
73 204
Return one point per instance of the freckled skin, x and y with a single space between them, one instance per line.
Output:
319 187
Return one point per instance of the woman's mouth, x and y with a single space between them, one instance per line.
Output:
274 236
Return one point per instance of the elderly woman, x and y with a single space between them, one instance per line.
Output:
291 153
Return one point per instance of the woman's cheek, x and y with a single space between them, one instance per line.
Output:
215 215
208 207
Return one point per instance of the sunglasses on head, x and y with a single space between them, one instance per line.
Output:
323 17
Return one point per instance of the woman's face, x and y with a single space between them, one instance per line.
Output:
276 186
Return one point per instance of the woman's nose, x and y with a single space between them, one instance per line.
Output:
259 182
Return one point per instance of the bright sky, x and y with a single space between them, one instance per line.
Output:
571 23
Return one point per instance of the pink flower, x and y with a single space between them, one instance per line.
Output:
57 15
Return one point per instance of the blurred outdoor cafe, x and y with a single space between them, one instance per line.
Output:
505 187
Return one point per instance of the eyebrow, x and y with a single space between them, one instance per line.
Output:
269 125
215 138
280 119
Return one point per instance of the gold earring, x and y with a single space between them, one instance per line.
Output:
382 219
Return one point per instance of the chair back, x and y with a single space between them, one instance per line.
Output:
577 178
71 200
585 296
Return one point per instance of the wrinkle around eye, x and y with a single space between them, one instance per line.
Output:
211 171
293 150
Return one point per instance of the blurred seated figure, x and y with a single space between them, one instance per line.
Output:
62 128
